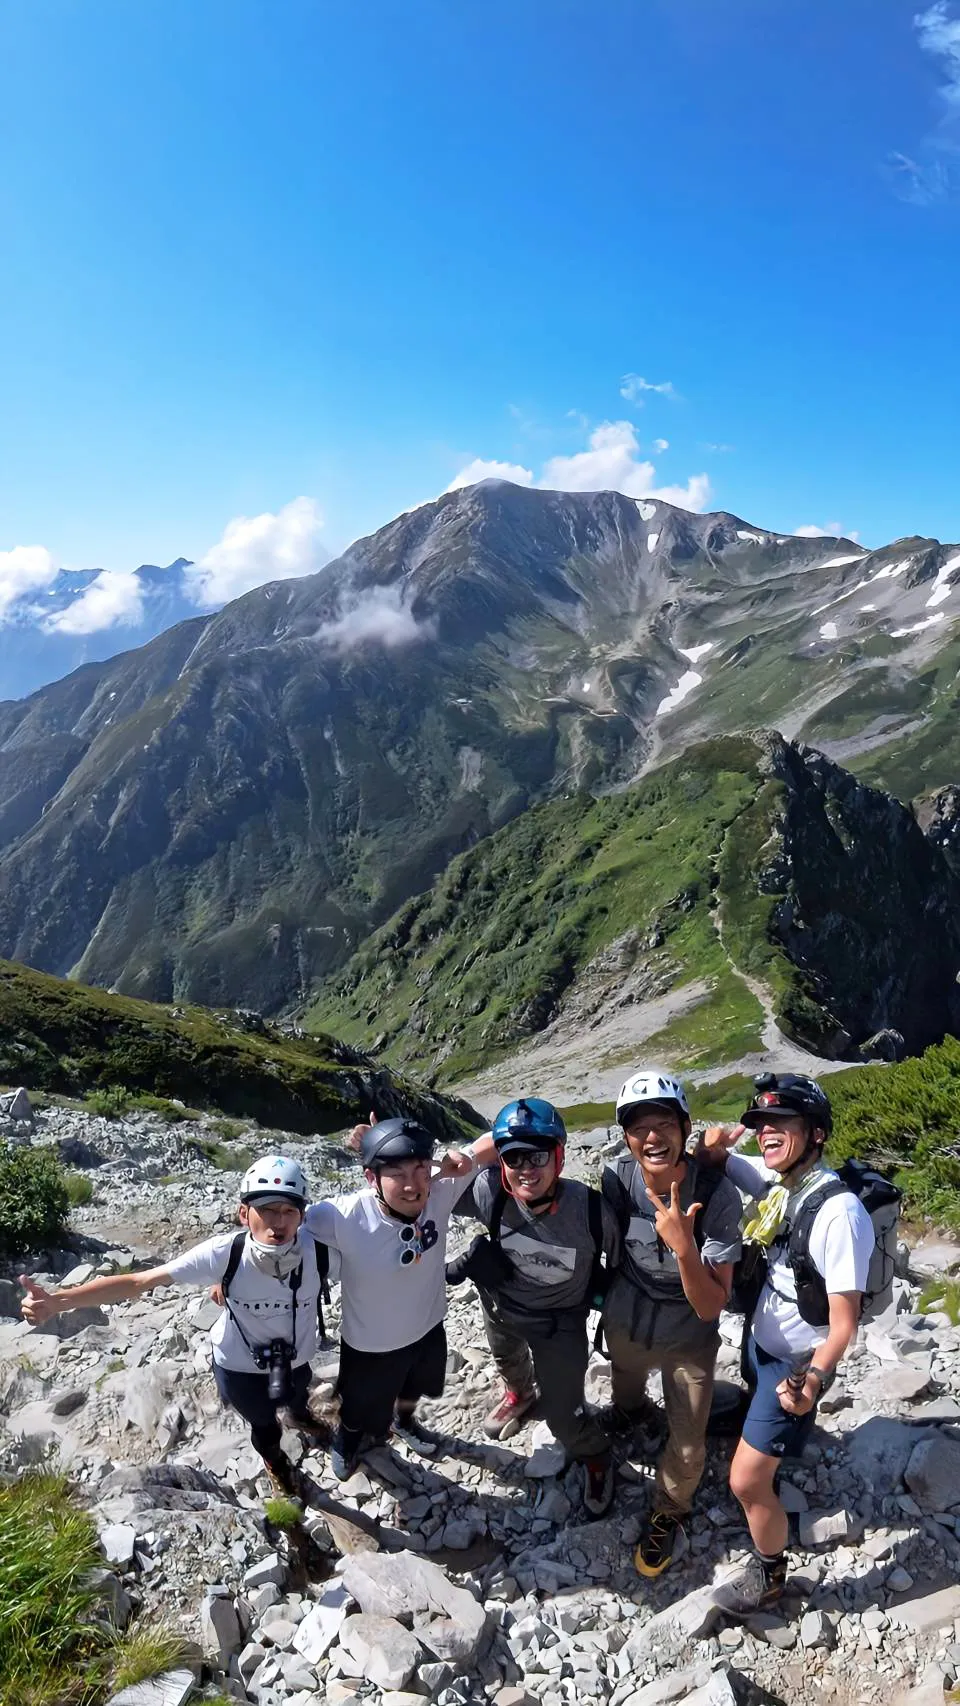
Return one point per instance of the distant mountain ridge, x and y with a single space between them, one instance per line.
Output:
224 813
34 651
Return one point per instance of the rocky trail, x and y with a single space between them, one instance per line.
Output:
478 1577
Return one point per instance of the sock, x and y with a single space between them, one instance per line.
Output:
774 1567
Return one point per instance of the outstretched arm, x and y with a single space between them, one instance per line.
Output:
40 1305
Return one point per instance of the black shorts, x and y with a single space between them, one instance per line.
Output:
371 1382
768 1427
248 1395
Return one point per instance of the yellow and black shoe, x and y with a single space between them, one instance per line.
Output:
657 1542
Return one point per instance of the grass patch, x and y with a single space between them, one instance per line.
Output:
110 1103
225 1157
55 1650
143 1653
941 1296
583 1115
283 1513
228 1130
79 1189
726 1023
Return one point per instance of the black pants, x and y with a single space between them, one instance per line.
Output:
372 1383
248 1395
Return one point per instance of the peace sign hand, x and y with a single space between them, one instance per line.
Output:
675 1224
38 1306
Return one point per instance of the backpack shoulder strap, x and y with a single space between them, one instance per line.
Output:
233 1262
705 1181
496 1214
802 1226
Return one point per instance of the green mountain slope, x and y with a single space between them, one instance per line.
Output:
747 858
62 1036
224 815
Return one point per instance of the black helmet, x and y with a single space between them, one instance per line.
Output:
788 1093
396 1140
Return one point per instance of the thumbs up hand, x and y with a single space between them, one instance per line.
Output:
38 1305
359 1132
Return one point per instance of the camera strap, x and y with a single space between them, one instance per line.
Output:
233 1263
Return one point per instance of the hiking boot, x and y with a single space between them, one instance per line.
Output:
303 1422
597 1485
759 1587
657 1542
503 1421
413 1434
343 1458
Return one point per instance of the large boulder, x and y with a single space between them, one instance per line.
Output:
385 1653
933 1472
447 1618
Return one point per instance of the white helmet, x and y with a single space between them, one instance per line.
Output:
651 1084
277 1177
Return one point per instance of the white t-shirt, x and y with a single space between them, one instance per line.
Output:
841 1245
263 1306
385 1304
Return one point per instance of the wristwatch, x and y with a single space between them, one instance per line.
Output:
826 1380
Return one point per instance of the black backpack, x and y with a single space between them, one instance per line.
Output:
323 1269
882 1201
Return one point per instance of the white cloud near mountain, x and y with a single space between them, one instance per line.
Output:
259 548
611 462
633 387
833 530
478 470
115 598
379 614
24 569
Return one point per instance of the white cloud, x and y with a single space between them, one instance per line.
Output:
719 449
115 598
478 470
378 615
25 568
259 548
939 35
833 530
660 445
611 463
632 387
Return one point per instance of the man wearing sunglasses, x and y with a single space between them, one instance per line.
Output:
538 1272
392 1241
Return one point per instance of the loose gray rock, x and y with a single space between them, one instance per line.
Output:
385 1653
173 1688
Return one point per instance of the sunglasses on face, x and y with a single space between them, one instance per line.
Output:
517 1159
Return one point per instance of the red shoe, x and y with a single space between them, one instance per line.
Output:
503 1421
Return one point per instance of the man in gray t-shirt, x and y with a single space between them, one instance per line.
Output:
681 1238
538 1273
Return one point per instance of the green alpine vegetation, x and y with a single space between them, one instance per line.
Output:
746 861
56 1646
124 1053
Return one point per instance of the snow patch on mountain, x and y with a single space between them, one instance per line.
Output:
653 539
694 653
941 591
688 681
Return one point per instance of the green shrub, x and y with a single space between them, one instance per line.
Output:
79 1189
225 1158
941 1296
906 1120
144 1652
283 1513
110 1103
34 1201
172 1112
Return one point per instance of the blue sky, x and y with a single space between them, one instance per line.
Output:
259 251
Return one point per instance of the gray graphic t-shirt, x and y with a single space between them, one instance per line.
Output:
552 1253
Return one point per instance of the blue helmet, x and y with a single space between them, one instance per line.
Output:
528 1124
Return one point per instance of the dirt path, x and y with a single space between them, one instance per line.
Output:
585 1063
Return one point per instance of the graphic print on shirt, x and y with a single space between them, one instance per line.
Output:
543 1264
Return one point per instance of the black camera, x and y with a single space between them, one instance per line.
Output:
276 1361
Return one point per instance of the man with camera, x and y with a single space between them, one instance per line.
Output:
272 1275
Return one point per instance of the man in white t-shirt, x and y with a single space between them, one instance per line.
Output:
391 1238
263 1341
790 1362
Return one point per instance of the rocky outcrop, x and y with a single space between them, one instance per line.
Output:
866 907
